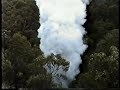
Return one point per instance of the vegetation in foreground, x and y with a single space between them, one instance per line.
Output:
22 59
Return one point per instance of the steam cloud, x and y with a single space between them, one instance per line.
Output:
61 32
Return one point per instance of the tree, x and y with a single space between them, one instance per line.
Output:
37 69
110 39
39 78
100 60
27 64
7 72
103 18
101 70
22 60
21 16
19 54
40 81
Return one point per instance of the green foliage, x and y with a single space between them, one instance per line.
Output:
21 16
57 60
40 81
22 66
20 49
111 38
101 60
7 71
102 70
22 60
19 55
103 18
17 19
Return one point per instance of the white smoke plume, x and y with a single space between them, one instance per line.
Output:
61 31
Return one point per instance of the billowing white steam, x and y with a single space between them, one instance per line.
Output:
61 31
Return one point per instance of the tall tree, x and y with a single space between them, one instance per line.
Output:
21 16
102 70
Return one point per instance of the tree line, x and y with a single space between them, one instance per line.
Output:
22 60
